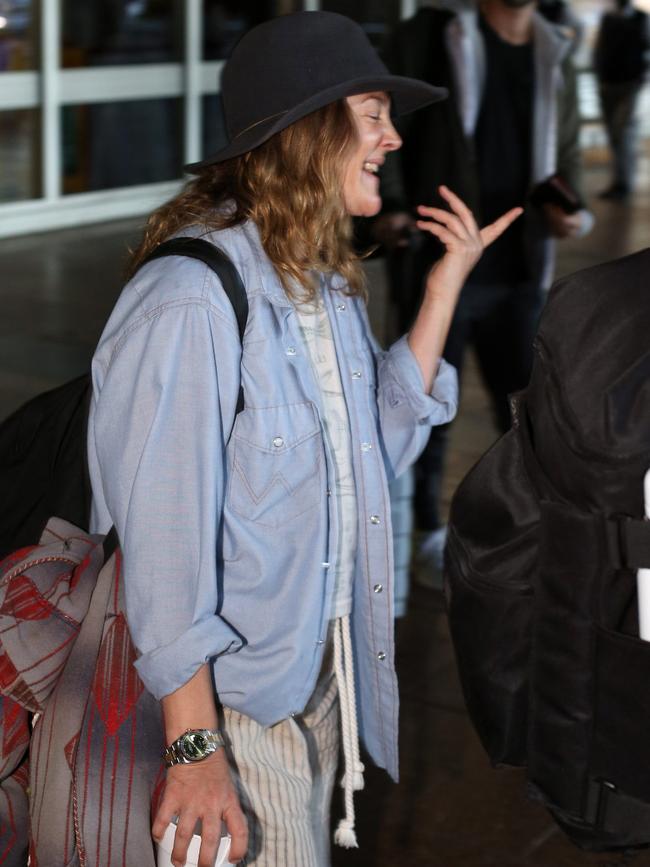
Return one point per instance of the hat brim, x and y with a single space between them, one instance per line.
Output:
408 94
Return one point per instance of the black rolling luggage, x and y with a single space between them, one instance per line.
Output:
546 534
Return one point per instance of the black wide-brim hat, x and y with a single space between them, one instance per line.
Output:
294 64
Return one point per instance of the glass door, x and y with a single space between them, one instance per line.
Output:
103 102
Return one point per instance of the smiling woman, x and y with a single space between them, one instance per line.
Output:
376 136
266 643
293 188
300 188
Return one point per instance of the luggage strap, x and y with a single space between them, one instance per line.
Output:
217 261
607 808
628 542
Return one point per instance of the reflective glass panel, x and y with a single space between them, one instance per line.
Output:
18 35
19 155
225 21
117 32
120 144
377 17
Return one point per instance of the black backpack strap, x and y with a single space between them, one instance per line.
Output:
607 810
111 544
217 261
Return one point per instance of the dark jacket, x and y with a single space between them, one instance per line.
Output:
446 48
623 47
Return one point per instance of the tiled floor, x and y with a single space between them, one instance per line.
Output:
450 809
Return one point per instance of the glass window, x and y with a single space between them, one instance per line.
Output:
19 155
18 35
119 144
225 21
117 32
377 17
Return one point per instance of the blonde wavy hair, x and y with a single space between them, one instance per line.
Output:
291 187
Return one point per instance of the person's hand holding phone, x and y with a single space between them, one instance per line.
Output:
561 224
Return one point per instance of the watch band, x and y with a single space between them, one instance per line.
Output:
192 746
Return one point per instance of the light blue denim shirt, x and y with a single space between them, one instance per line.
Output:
225 522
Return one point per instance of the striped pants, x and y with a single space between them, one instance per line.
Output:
285 776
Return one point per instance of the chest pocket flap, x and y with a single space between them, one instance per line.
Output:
277 463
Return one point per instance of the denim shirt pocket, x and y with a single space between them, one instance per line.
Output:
277 463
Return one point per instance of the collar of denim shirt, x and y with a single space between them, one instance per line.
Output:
264 277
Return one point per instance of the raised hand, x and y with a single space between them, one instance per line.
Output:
464 243
463 240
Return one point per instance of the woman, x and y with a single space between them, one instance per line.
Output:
257 548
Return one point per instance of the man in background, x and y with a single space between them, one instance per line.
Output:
510 123
621 64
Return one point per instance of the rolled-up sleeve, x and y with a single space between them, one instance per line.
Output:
406 411
159 426
437 407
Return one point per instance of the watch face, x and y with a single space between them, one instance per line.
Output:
194 746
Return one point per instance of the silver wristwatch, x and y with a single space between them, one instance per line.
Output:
194 745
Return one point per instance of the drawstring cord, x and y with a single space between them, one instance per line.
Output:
352 779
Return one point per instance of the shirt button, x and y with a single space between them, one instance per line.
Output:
375 519
291 350
381 656
293 713
329 492
340 307
320 641
325 564
378 588
356 374
278 442
365 447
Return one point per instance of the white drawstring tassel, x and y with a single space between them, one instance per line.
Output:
344 835
353 776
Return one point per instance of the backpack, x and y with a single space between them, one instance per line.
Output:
546 534
70 790
43 468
